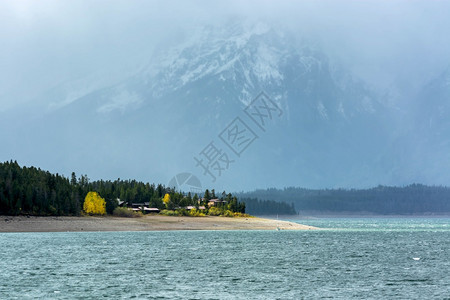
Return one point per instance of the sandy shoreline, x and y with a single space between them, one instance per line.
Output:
146 223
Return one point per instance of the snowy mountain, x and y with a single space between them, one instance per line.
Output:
328 129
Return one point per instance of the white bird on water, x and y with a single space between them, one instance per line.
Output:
416 258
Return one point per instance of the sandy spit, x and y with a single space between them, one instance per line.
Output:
146 223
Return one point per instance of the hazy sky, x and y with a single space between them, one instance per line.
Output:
396 46
45 43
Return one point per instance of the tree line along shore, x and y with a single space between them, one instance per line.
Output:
32 191
413 199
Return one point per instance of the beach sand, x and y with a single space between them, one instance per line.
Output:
146 223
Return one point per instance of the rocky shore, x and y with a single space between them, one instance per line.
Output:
146 223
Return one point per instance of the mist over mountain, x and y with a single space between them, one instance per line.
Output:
424 147
329 128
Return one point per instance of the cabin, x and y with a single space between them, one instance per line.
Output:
216 202
140 205
144 207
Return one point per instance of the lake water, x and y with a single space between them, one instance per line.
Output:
358 258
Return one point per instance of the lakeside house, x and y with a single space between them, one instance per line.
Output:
216 202
144 206
151 210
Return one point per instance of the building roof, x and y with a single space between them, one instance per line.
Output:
140 203
154 209
216 200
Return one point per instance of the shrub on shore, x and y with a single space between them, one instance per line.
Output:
228 213
126 213
170 213
182 212
214 211
242 215
196 213
218 211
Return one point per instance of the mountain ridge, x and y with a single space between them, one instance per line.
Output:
334 131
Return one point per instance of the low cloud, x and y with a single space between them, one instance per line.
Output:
50 42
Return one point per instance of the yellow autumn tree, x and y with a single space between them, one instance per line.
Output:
166 199
94 204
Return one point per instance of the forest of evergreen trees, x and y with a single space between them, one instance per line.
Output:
28 190
257 207
33 191
411 199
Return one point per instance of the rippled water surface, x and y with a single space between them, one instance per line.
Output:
358 258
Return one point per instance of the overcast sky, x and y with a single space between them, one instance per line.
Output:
48 42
